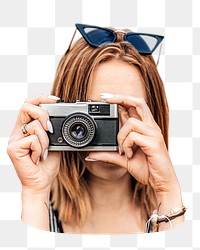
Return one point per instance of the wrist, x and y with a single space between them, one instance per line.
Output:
35 209
168 188
39 193
170 195
167 203
32 200
169 212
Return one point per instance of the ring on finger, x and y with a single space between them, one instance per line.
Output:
24 130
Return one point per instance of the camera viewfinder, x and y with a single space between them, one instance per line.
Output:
94 109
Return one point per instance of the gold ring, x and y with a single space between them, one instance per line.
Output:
24 130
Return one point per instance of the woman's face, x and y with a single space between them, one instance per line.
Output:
115 77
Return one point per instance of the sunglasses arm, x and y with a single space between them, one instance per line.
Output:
69 47
159 55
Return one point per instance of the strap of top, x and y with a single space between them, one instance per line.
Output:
54 223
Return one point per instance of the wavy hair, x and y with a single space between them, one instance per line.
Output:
70 195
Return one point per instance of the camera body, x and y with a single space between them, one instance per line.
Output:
83 126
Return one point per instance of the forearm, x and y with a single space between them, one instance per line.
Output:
35 210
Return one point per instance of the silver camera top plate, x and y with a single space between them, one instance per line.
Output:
65 109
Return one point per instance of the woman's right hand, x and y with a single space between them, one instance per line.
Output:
29 152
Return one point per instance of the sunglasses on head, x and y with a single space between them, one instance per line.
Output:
98 36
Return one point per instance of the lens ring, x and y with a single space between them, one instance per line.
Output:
82 120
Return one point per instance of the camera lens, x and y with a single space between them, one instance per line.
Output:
78 130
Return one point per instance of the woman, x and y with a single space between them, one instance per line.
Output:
101 192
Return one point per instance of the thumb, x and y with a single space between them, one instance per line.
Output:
108 157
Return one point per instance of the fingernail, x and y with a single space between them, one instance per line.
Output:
49 126
126 157
120 151
89 159
45 154
53 97
37 162
106 95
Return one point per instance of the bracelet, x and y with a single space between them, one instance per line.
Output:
174 213
152 224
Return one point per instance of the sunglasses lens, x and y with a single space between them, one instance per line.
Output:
97 36
143 43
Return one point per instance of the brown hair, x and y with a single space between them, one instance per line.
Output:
70 194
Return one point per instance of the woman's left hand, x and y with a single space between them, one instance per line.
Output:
145 155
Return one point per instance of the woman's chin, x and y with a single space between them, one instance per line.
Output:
105 170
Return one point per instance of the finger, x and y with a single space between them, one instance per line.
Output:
21 149
37 100
128 144
123 115
34 128
144 142
108 157
129 101
136 125
32 143
29 112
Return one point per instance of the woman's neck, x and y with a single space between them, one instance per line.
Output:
111 194
113 208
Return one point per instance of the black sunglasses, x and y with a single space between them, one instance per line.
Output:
98 36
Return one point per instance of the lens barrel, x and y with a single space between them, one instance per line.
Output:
78 130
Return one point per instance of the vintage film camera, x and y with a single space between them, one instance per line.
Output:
83 126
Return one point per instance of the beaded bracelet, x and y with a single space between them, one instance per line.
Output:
152 225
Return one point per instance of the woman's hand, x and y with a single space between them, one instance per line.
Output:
28 152
145 155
